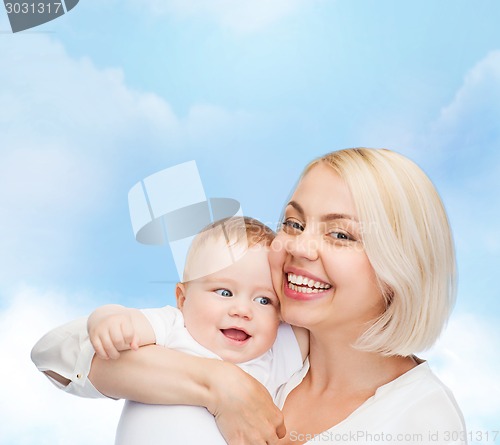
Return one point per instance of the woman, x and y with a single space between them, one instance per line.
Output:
364 260
370 228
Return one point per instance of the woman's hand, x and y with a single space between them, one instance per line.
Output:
243 409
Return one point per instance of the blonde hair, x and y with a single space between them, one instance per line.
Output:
408 241
235 234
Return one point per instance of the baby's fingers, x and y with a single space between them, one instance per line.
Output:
134 345
130 338
98 348
111 344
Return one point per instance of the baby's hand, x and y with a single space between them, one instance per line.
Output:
112 329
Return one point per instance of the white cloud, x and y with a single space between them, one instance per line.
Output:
466 132
65 126
466 359
464 141
70 101
477 101
70 134
42 193
33 411
240 15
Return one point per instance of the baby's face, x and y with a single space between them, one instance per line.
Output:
233 312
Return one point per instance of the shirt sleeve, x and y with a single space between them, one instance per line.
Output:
163 321
68 352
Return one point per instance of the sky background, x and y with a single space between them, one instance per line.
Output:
252 90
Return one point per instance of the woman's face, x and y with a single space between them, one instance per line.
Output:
320 270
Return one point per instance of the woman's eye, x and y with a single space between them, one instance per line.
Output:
263 300
224 292
340 235
292 225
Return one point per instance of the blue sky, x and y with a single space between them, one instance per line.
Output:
114 91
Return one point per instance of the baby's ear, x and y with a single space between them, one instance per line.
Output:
180 295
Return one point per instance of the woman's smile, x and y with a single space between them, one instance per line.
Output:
302 285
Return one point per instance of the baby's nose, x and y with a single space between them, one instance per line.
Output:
241 309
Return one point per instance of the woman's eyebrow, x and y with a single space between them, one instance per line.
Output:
324 218
297 207
335 216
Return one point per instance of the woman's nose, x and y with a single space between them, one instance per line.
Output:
304 245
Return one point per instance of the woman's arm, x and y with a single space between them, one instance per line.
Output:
242 407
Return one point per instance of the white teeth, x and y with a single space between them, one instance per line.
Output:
303 284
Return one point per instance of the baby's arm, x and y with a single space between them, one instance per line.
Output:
302 336
114 328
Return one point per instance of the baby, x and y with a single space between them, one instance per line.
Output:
227 309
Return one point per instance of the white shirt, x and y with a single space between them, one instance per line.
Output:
414 409
67 351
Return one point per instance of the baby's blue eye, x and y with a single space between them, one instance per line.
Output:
224 292
263 300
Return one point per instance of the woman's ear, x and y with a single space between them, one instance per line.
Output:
180 295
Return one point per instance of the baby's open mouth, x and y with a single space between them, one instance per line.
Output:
235 334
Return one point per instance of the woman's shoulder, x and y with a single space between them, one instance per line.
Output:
420 394
419 379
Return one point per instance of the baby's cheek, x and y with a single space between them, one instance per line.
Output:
273 325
